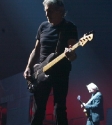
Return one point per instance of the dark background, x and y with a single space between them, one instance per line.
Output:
19 21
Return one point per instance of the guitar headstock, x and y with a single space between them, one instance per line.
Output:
86 38
79 97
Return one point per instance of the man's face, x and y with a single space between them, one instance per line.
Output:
53 15
91 90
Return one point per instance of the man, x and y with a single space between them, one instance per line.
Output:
55 35
94 107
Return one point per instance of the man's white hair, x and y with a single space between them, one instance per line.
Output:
56 2
92 86
59 4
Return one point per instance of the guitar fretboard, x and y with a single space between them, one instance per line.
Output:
57 59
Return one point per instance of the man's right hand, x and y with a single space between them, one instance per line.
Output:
27 73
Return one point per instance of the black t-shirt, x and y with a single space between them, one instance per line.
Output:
48 35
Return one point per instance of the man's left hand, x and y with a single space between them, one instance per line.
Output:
70 54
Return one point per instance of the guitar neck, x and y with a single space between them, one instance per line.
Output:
57 59
81 102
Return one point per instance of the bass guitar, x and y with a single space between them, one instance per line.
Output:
39 71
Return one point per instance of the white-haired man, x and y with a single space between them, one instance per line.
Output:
94 107
55 35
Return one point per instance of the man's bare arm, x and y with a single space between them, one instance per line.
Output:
32 60
34 56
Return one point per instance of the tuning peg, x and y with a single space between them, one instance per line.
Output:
85 34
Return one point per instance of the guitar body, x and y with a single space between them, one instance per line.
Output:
87 113
37 74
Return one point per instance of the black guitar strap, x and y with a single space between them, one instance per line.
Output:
60 39
58 44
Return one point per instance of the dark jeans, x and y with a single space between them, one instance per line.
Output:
59 84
